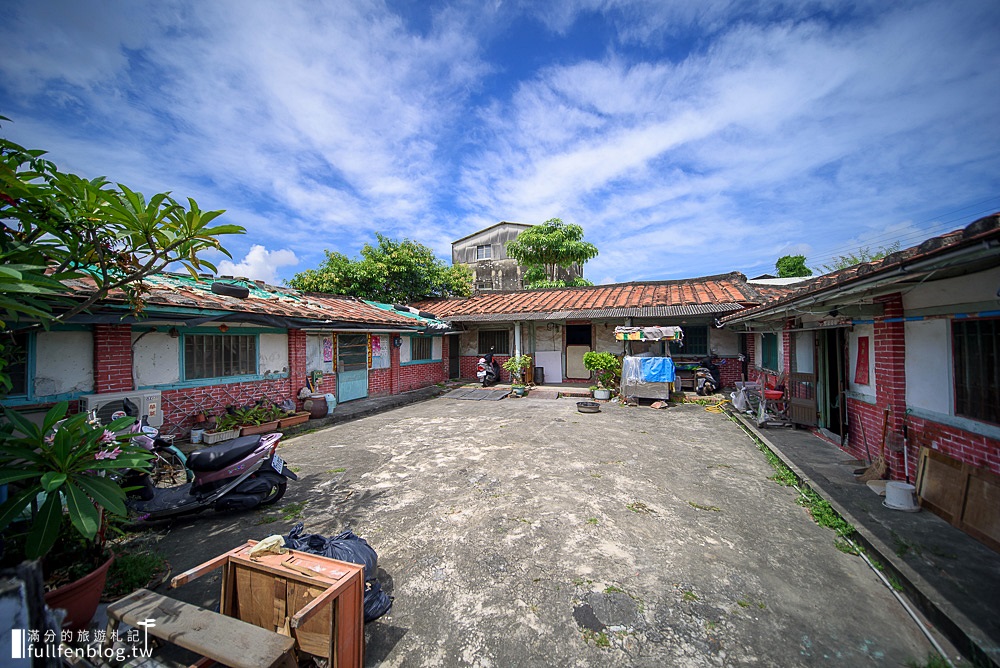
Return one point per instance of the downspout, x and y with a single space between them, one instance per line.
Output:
517 338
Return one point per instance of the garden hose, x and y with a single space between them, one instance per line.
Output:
719 407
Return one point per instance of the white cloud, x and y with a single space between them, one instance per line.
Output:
259 264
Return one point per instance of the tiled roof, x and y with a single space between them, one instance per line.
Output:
709 294
981 231
186 294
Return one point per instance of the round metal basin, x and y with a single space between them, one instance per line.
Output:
588 407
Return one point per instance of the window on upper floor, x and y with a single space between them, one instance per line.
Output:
975 350
219 355
484 252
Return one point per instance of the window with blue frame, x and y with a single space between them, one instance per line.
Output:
420 349
219 355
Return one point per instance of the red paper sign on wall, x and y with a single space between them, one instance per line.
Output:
861 369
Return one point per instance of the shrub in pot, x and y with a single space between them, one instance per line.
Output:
606 367
516 366
60 476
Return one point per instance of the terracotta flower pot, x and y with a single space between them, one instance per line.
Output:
80 598
292 420
248 430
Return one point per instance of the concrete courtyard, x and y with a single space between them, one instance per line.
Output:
522 532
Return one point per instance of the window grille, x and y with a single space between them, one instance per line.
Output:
219 355
484 252
695 341
496 341
975 346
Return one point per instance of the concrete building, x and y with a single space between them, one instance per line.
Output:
485 253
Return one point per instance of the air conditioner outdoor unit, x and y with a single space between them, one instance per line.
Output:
116 404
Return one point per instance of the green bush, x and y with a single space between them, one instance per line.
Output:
607 367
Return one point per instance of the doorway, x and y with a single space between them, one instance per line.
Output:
352 367
578 341
454 360
832 379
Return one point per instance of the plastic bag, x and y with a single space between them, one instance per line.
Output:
740 401
377 602
345 546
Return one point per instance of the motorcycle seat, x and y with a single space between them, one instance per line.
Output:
219 456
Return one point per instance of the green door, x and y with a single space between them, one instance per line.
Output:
352 367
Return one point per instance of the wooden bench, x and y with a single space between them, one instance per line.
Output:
223 639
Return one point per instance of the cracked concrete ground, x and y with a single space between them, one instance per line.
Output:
522 532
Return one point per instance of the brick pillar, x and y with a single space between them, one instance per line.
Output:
890 375
112 358
296 361
393 365
890 359
786 346
751 347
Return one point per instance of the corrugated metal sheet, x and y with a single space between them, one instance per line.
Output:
599 314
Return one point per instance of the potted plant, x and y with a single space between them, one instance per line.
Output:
226 428
61 488
292 418
258 419
607 368
516 366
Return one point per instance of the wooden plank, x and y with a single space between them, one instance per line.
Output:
207 567
313 635
941 484
229 641
981 515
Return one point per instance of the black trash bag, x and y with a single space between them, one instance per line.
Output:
345 546
377 602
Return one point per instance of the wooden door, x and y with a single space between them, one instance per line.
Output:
802 407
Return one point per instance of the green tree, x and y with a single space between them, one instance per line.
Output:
391 271
791 266
863 254
56 226
544 248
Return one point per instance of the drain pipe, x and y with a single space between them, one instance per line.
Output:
906 606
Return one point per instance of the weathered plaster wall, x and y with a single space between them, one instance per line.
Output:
64 362
604 339
314 354
273 354
928 368
547 340
723 342
156 358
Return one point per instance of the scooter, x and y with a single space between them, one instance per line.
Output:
168 468
708 377
240 474
488 369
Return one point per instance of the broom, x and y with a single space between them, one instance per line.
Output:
878 468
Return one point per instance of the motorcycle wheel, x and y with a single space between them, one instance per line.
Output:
278 487
168 469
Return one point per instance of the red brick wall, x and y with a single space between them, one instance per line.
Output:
379 382
964 446
467 366
112 358
180 405
890 360
730 372
297 362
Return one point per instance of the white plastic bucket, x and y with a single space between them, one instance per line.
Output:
331 403
900 496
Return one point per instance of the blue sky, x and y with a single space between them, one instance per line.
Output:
687 138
